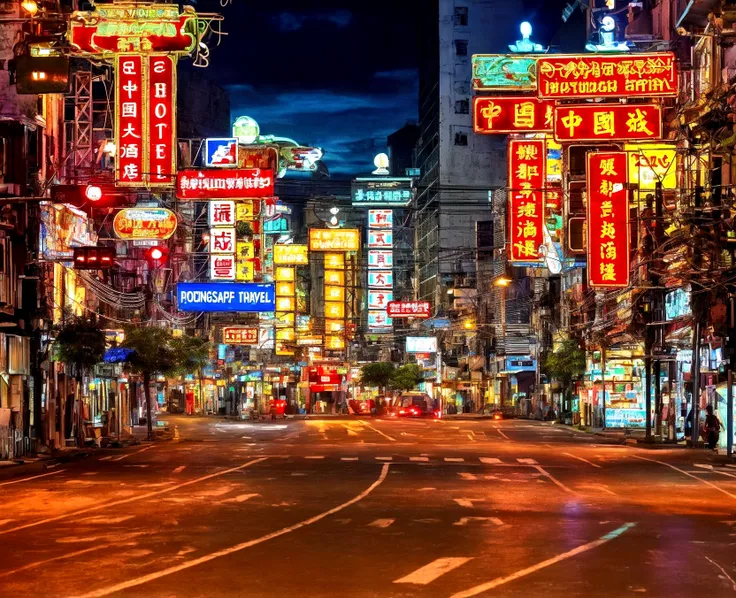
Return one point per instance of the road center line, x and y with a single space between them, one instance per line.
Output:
545 473
381 523
367 425
583 460
35 477
131 583
683 472
121 457
499 581
132 498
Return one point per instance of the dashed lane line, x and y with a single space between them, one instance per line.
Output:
454 460
384 458
554 479
502 434
348 458
499 581
490 460
121 457
527 461
367 425
314 457
683 472
419 459
179 469
583 460
466 520
35 477
430 572
382 523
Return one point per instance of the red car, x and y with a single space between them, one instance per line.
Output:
416 404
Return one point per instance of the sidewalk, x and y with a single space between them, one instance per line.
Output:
40 464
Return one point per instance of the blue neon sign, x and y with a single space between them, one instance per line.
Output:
225 296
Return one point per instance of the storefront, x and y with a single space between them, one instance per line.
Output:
620 379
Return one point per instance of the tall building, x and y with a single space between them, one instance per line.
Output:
459 170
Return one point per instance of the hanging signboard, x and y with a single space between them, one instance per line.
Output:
409 309
129 120
379 299
504 72
608 220
379 239
221 152
160 140
381 259
239 335
223 267
379 320
333 239
526 198
222 213
607 75
222 240
232 183
516 114
222 296
381 279
608 122
144 223
290 255
382 191
380 218
259 156
650 163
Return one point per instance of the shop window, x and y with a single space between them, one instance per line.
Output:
461 47
461 138
461 16
462 106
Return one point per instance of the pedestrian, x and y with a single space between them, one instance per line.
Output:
713 427
689 425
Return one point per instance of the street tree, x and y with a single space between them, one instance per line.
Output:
566 364
377 374
192 355
152 352
406 377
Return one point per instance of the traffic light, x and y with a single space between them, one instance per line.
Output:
77 195
157 256
93 258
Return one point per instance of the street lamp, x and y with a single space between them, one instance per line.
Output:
30 7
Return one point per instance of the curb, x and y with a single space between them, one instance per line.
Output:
40 466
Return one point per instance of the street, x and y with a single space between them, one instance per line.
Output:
372 507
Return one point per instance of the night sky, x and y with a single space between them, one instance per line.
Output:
336 75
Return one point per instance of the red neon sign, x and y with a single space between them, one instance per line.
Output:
605 122
498 115
129 120
409 309
216 183
608 220
161 125
612 75
237 335
526 198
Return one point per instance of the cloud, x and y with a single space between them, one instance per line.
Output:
288 22
398 75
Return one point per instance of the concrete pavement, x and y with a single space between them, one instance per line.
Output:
373 507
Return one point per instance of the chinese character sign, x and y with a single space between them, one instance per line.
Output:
409 309
501 115
218 183
604 122
222 213
608 220
380 259
380 218
129 120
329 239
504 72
161 139
526 198
380 239
144 223
617 75
239 335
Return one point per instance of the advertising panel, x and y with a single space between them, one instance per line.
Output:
607 122
290 255
329 239
240 335
381 279
379 320
380 218
161 126
144 223
626 418
607 75
504 72
526 198
380 239
421 344
650 163
223 267
608 220
222 240
231 183
379 299
221 152
516 114
129 117
383 191
222 213
380 259
221 296
409 309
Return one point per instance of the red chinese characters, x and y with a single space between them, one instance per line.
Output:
222 267
608 220
129 118
409 309
237 335
217 183
526 198
603 122
161 95
499 115
612 75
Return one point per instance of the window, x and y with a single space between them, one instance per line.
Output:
462 106
461 16
461 47
461 138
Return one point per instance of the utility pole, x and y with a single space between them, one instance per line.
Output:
729 389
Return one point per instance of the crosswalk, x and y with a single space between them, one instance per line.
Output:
521 461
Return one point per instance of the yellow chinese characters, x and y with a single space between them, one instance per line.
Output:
571 122
527 152
638 123
608 230
490 112
608 272
607 167
604 123
524 115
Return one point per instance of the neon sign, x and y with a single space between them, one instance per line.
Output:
501 115
605 122
233 183
526 198
144 223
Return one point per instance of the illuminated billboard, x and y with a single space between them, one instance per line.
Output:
526 160
504 72
382 191
144 223
290 255
608 122
421 344
518 114
232 183
333 239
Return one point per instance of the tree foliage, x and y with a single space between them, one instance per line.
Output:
81 343
153 349
377 374
566 364
191 354
406 377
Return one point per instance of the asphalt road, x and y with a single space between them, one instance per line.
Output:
372 507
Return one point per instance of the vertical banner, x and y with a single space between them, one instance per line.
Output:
129 120
526 198
608 220
161 96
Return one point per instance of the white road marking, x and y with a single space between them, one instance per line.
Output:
502 434
367 425
466 502
381 523
5 521
527 461
471 438
131 583
348 458
136 465
464 475
179 469
733 583
433 570
426 489
682 471
703 465
420 459
384 458
123 501
499 581
553 479
241 498
600 487
315 457
90 473
121 457
106 458
583 460
105 520
490 460
35 477
454 459
466 520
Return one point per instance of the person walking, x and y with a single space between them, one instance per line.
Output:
713 427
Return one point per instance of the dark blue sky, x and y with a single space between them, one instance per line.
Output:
337 75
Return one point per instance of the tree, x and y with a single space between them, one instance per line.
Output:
406 377
152 352
566 364
81 344
377 374
192 355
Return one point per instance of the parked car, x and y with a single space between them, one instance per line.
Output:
416 404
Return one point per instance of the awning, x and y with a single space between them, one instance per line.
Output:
117 355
